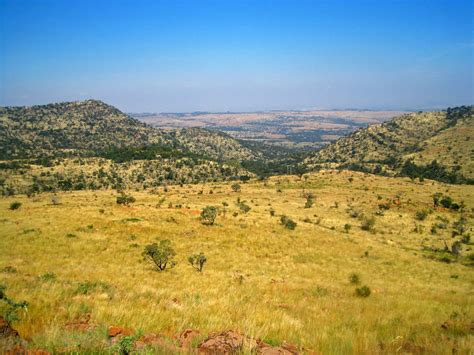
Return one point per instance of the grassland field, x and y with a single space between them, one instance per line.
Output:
84 256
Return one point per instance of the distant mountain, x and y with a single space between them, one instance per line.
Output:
436 145
87 128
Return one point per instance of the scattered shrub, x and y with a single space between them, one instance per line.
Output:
309 201
368 223
48 277
9 270
208 215
235 187
347 227
197 261
88 287
15 205
272 212
161 255
354 279
363 291
124 199
244 207
456 248
11 310
421 215
288 222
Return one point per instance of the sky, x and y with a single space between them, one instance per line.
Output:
238 55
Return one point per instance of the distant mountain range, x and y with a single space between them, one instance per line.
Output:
435 145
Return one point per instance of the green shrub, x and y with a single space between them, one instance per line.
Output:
421 215
208 215
124 199
161 255
347 227
15 205
288 222
368 223
235 187
309 201
244 207
10 309
197 261
354 279
48 277
363 291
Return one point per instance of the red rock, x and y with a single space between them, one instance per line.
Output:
116 331
228 342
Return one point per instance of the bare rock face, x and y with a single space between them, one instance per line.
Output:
186 337
6 331
228 342
119 331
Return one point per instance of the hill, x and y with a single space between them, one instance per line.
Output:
436 145
88 128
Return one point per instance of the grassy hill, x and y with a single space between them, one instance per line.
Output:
76 258
408 145
87 128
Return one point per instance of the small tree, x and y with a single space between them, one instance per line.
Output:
309 201
208 215
235 187
288 222
161 254
368 223
124 199
15 205
197 261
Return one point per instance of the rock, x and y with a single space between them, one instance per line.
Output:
116 331
20 350
186 337
228 342
284 349
6 331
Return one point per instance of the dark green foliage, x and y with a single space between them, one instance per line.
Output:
88 287
363 291
354 279
126 345
434 171
309 201
125 199
367 223
421 215
235 187
347 227
48 277
10 309
197 261
287 222
456 248
15 205
208 215
243 207
161 254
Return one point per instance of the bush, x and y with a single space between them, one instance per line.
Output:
456 248
15 205
272 212
354 279
368 223
161 255
421 215
12 308
197 261
124 199
363 291
288 222
244 207
347 227
446 202
208 215
235 187
309 201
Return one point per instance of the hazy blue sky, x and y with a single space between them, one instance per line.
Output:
237 55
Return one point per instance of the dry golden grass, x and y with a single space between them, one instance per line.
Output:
260 278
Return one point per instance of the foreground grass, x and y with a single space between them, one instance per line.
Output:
260 278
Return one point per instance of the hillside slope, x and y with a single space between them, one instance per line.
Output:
408 145
91 126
